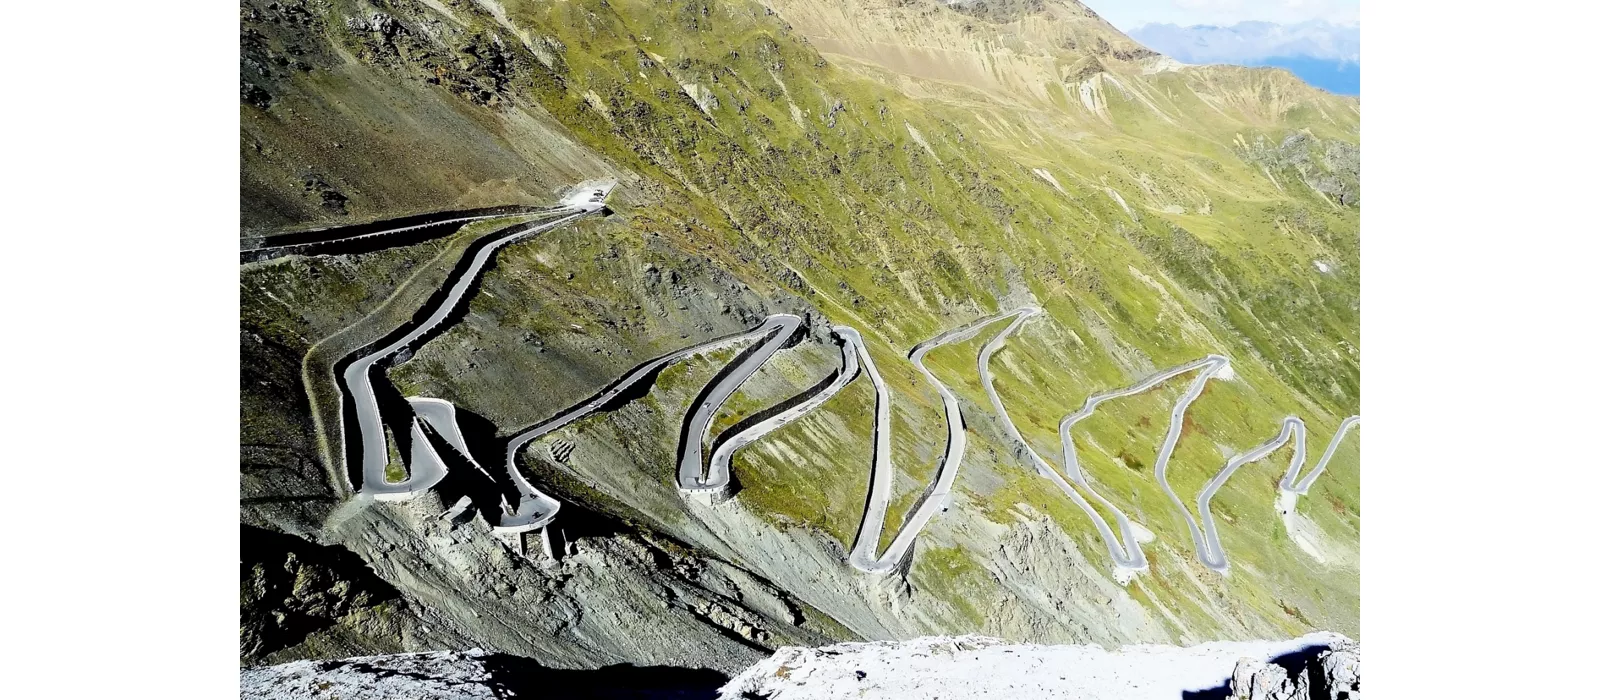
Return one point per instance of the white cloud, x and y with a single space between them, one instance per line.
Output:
1209 5
1247 43
1128 14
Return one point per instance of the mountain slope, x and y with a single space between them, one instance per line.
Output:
899 167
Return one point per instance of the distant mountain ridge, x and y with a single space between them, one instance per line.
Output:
1253 41
1323 54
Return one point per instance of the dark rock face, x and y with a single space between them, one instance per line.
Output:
1322 674
289 587
467 675
273 45
998 11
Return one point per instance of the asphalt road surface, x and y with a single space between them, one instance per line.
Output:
693 477
373 443
722 455
936 497
1207 544
1125 553
258 250
434 420
535 509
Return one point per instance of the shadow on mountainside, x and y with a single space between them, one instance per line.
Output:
290 587
1293 662
357 239
517 677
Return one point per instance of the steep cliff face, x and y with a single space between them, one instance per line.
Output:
898 167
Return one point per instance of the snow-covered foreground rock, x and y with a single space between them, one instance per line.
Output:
443 674
1318 665
469 675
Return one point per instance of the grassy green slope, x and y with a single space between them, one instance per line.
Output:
904 216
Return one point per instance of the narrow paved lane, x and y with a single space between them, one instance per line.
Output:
1126 556
732 442
1208 545
375 235
693 476
432 423
937 495
373 442
1304 486
537 509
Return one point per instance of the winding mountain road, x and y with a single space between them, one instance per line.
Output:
737 438
357 376
1304 486
862 555
1125 553
535 509
1207 545
693 476
262 249
431 422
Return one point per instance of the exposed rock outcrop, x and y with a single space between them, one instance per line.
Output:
464 675
1332 673
1330 167
1317 666
1320 666
291 589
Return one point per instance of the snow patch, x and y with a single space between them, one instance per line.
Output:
1041 172
1090 94
702 96
1118 197
917 136
1142 534
599 105
1226 373
958 668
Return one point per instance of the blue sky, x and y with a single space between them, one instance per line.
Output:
1128 14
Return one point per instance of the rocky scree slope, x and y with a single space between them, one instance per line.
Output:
1156 213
